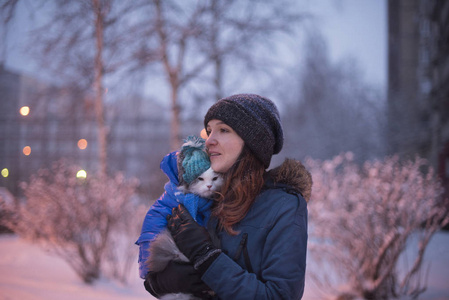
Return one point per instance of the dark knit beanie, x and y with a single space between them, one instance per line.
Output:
255 119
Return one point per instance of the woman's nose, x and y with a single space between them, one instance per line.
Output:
211 140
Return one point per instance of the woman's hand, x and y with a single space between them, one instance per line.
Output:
192 239
176 278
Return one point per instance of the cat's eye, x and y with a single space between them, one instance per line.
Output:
200 179
215 178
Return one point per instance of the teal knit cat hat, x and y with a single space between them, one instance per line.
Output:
195 160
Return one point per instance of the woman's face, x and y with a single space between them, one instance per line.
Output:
224 145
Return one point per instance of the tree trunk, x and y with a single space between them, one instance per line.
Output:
99 107
173 79
218 78
175 123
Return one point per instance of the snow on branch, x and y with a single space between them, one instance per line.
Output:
361 221
88 222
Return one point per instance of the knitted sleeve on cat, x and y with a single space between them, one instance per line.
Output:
198 207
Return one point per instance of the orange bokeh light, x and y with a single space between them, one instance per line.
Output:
82 144
203 134
24 110
26 150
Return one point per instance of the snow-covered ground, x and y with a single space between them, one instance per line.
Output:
29 273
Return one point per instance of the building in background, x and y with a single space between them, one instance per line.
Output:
40 124
418 81
9 128
34 130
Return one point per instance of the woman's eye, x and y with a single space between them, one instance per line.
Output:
224 130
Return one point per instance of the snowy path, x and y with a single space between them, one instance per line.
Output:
29 273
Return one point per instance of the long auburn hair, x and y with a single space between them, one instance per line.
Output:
241 184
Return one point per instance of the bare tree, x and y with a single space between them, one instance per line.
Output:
362 219
196 39
332 109
247 34
81 45
99 11
7 11
85 41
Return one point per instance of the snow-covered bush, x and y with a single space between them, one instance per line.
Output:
91 223
361 218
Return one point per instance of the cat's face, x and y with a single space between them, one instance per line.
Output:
206 184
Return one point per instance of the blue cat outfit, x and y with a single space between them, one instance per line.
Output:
155 219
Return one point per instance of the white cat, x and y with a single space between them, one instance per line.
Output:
204 185
163 248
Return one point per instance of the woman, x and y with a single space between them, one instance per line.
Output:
255 243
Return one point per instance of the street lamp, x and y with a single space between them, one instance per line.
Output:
82 144
24 111
81 174
26 150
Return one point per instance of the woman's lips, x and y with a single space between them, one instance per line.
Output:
214 154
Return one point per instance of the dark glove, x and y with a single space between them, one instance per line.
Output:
191 238
176 278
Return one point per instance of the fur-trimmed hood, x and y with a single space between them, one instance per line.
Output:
291 174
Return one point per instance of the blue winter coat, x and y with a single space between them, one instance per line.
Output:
275 234
155 219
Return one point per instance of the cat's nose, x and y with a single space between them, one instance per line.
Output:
209 186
